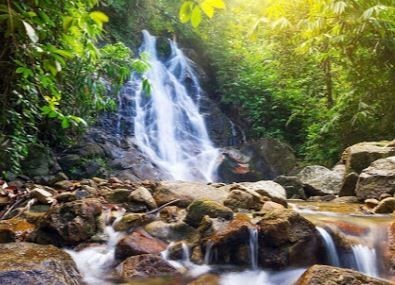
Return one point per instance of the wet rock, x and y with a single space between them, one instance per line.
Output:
187 192
27 263
198 209
359 156
377 179
262 159
319 180
172 231
137 243
15 229
172 214
386 206
146 265
287 239
328 275
349 184
292 185
132 221
70 223
229 244
66 197
238 199
143 195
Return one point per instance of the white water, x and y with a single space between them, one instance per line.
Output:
168 125
330 247
94 262
366 259
253 243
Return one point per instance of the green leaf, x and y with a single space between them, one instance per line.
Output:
186 11
67 22
196 17
99 17
31 33
207 8
219 4
65 123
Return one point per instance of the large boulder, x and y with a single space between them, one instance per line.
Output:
287 239
187 192
70 223
239 199
328 275
172 231
319 180
263 159
292 185
377 179
229 244
359 156
146 265
33 264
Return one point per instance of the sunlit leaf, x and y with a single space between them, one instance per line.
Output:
207 8
196 17
31 33
99 17
219 4
186 11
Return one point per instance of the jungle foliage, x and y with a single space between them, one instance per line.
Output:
318 74
54 73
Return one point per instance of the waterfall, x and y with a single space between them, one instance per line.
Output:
253 242
330 247
207 255
168 126
366 259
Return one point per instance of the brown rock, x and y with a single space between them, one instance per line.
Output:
146 265
328 275
287 239
270 206
386 206
143 195
230 242
15 230
371 203
33 264
70 223
349 184
198 209
138 242
238 199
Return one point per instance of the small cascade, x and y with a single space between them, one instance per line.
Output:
366 259
168 126
253 244
94 262
208 253
330 247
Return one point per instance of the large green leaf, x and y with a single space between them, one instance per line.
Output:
99 17
207 8
196 17
186 11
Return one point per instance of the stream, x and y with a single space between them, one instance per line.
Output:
365 235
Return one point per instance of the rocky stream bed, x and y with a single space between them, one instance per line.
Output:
319 226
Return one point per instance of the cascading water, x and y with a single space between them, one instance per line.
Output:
366 259
168 126
330 247
253 243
